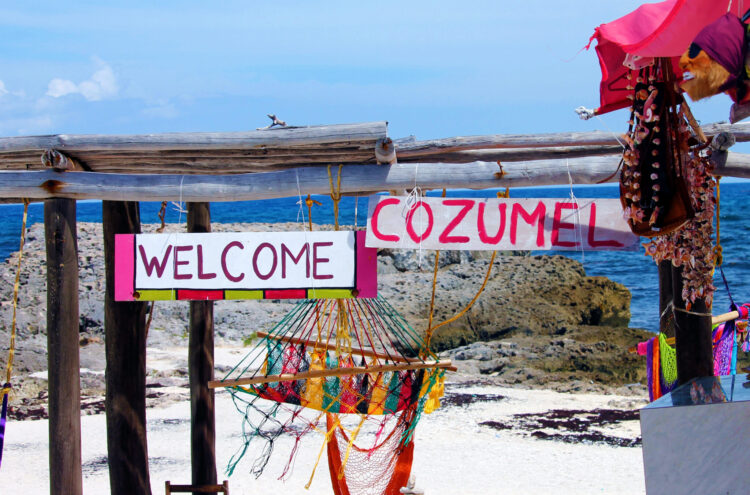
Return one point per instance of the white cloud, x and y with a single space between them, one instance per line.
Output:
101 85
3 91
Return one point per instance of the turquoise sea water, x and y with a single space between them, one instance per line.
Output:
632 269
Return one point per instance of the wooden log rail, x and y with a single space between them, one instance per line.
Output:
38 185
205 152
424 149
285 147
354 370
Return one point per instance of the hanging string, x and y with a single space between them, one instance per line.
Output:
356 206
12 347
578 230
432 297
162 215
614 134
718 250
412 200
300 202
335 195
430 329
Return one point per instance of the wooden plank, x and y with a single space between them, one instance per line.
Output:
125 348
314 180
279 136
512 154
423 149
223 488
201 371
331 347
62 347
354 370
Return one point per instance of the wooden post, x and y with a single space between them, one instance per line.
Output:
692 335
125 345
665 297
201 369
62 347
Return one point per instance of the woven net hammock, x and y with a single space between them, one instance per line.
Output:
352 370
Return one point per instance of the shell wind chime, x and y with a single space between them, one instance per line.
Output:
666 186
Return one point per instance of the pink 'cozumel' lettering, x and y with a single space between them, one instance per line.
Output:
268 275
536 216
224 266
482 228
178 263
410 221
466 205
285 251
153 263
558 224
376 215
592 233
201 274
316 260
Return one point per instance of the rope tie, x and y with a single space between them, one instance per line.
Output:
335 195
718 250
310 202
673 308
430 329
16 285
432 297
7 386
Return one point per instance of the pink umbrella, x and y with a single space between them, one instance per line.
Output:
663 29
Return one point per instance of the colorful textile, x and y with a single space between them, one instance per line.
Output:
663 29
661 367
724 41
3 417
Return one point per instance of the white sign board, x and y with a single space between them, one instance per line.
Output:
243 265
498 224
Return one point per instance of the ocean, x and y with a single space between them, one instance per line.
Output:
633 269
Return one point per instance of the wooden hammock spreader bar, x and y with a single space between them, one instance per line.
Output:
732 315
354 370
331 347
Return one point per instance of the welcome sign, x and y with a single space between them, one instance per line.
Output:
498 224
250 265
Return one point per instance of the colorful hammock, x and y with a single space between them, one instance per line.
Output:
353 370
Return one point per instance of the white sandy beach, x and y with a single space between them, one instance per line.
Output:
453 454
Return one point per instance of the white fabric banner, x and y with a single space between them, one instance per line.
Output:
498 224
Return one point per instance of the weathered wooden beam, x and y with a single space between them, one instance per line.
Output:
200 153
423 149
62 347
314 180
125 349
279 136
201 370
513 154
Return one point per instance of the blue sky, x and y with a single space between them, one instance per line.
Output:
432 69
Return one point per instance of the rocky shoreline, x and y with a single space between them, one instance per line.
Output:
540 321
